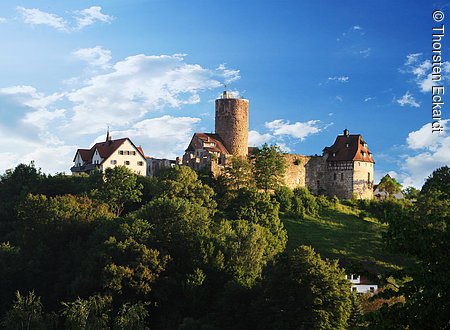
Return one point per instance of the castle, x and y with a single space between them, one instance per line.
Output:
345 169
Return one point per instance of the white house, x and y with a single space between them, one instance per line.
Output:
110 153
361 284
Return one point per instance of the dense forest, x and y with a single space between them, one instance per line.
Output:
183 250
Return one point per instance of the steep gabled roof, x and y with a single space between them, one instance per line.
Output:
199 139
85 154
106 149
349 147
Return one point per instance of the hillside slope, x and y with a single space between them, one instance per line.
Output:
341 234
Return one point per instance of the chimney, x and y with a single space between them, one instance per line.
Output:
346 133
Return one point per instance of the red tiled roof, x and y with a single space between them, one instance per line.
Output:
350 147
207 137
86 154
105 149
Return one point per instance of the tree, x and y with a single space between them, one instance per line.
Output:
15 186
239 174
270 167
117 188
27 313
132 316
389 185
242 249
411 193
303 291
91 313
183 182
423 233
284 196
439 180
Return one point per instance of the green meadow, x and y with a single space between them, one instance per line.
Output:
341 234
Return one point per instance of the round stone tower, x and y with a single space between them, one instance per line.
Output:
232 123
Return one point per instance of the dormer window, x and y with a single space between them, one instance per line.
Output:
334 154
347 145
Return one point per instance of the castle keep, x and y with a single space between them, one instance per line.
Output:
345 169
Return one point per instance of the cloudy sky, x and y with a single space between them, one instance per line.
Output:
152 69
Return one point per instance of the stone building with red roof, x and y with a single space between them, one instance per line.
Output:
110 153
345 169
211 151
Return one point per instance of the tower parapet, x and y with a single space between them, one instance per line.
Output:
232 123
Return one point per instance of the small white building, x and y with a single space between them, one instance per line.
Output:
110 153
361 284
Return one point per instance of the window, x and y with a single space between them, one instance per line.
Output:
113 162
347 145
140 163
349 277
334 176
127 152
354 289
334 154
132 152
127 162
342 176
372 289
355 277
120 152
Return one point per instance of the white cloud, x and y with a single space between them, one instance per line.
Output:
42 117
29 96
96 56
162 137
369 98
83 18
91 15
297 130
339 98
138 85
256 139
365 52
421 70
424 137
342 79
229 75
34 16
408 99
2 20
357 28
412 58
432 152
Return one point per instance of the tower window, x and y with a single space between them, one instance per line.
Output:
334 176
342 176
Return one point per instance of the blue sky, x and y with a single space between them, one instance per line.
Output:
151 70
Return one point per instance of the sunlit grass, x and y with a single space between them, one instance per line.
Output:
341 234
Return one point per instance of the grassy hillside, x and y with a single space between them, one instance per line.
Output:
341 234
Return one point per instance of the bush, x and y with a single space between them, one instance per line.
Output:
308 200
284 196
324 203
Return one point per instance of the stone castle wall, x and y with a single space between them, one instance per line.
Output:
363 180
341 179
232 124
295 174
